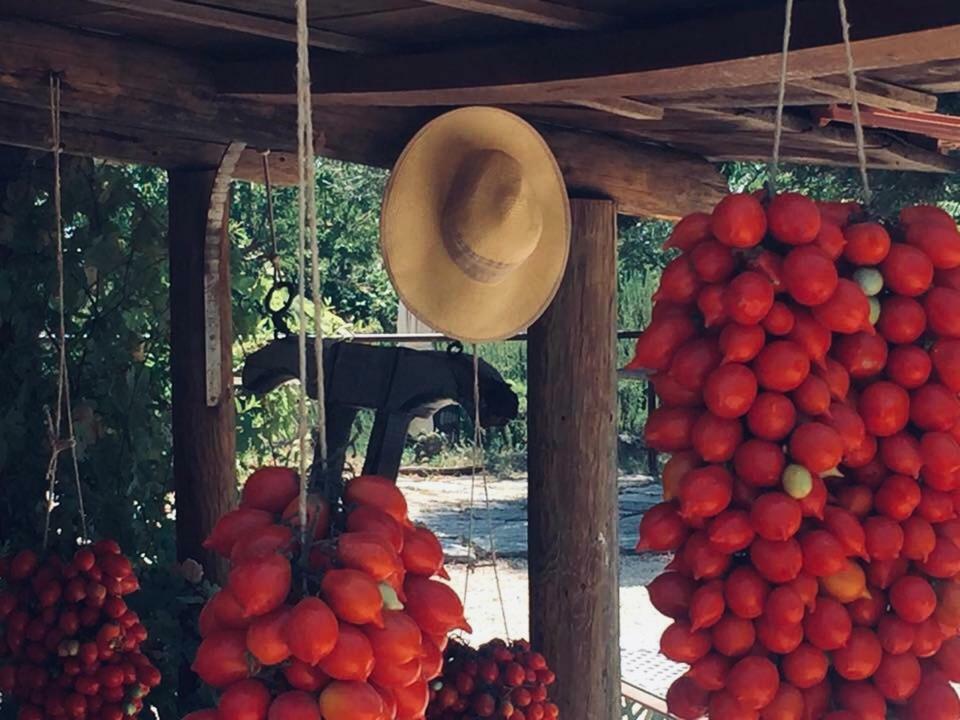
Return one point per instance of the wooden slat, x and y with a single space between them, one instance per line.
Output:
872 92
824 146
632 692
243 23
716 133
697 54
675 120
535 12
623 107
939 76
746 97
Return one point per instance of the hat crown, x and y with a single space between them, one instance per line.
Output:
491 220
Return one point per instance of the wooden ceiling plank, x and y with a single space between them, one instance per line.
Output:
622 107
754 96
703 53
245 23
156 98
875 93
883 149
534 12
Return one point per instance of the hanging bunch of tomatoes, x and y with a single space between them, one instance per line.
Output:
69 645
496 680
352 627
807 363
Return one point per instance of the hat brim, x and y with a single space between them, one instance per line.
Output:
427 279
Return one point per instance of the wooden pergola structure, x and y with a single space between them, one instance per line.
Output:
636 98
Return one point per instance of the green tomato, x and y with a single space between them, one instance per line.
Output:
797 481
870 281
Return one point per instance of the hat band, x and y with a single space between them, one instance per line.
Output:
474 266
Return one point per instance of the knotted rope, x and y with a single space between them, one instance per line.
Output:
307 207
64 403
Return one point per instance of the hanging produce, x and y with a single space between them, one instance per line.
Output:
69 645
496 680
813 494
350 627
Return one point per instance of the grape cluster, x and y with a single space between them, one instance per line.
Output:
496 680
69 645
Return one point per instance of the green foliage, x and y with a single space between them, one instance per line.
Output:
641 260
116 299
354 281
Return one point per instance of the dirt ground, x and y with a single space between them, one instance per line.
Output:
444 504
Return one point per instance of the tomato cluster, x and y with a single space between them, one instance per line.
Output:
807 364
69 645
496 680
351 627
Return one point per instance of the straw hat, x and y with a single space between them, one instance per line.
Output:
475 228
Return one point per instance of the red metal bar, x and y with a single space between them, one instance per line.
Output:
933 125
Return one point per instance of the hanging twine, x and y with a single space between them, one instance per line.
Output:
307 208
271 223
476 460
855 104
64 403
773 169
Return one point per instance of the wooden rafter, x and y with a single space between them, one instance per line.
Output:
872 92
624 107
159 105
241 22
748 134
535 12
703 53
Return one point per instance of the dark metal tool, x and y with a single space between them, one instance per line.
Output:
397 383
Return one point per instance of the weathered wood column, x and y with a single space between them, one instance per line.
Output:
204 441
572 507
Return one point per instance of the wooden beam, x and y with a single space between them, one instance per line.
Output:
535 12
572 509
27 127
127 101
204 441
637 176
245 23
622 107
705 52
154 96
875 93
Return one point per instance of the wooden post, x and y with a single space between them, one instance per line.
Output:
204 441
572 508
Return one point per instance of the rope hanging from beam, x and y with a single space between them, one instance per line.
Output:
855 104
307 206
64 403
773 167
